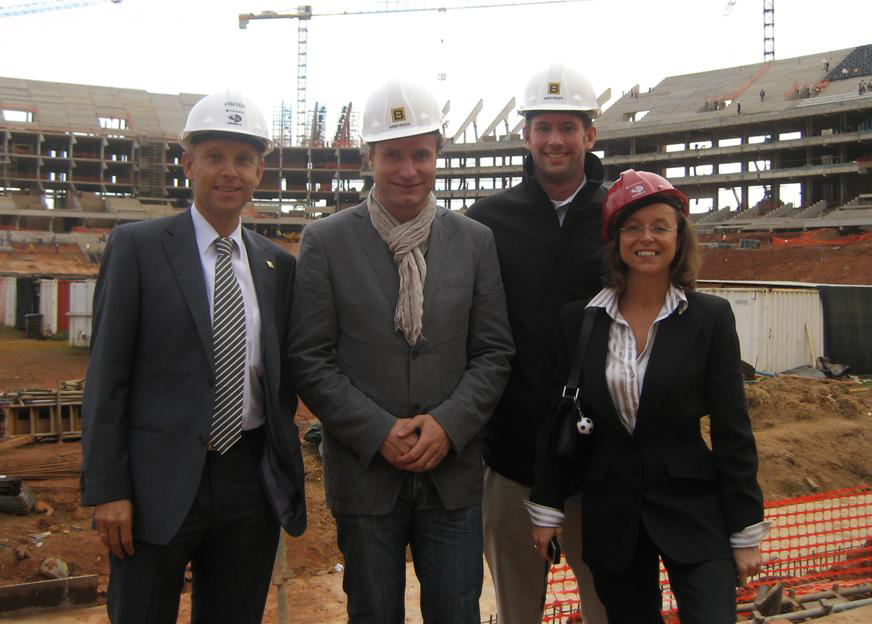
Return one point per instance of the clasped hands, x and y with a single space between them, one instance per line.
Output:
416 444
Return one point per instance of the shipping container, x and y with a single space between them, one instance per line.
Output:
54 306
779 327
81 299
10 287
26 300
63 306
2 300
48 306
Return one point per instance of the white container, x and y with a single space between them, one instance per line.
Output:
81 300
10 300
48 306
779 327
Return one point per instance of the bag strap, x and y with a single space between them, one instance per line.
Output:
574 380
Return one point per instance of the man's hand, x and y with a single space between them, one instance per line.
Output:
114 522
432 443
541 537
748 562
399 442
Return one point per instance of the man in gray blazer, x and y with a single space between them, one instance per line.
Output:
190 450
401 347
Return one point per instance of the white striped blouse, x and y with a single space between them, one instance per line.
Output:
625 367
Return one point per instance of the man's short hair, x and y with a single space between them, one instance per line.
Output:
586 119
440 142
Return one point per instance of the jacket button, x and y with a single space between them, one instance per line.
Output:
211 382
414 353
201 439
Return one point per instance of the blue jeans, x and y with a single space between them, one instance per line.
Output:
446 551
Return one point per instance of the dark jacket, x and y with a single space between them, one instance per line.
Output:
544 266
663 475
150 388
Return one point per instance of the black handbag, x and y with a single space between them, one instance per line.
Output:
571 427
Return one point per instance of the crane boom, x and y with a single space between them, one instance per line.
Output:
304 13
43 6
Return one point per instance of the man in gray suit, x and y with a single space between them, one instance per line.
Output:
190 452
401 347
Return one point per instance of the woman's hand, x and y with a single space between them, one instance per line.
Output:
748 562
541 537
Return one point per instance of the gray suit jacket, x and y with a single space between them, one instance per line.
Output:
357 373
150 389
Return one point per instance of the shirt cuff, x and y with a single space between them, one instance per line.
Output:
544 517
750 535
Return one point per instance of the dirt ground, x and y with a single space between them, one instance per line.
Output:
811 435
848 264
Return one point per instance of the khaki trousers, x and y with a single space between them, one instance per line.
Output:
519 573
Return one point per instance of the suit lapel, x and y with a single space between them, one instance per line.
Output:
675 338
263 273
437 251
180 244
596 389
379 256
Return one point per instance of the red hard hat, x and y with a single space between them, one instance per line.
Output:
631 188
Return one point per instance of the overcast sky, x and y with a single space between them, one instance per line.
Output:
196 46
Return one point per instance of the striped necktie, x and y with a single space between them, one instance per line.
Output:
228 347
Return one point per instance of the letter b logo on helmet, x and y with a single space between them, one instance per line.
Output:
400 109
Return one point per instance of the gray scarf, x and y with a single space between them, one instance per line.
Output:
408 243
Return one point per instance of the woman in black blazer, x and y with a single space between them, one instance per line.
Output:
659 358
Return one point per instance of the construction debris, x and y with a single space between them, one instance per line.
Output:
43 413
15 497
54 568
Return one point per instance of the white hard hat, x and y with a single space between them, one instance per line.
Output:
227 112
400 109
559 88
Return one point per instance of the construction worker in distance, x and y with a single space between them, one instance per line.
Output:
190 452
401 348
547 233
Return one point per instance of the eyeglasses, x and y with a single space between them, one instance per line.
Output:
657 231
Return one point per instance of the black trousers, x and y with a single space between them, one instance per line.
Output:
705 591
229 536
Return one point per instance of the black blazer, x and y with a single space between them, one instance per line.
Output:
149 391
689 498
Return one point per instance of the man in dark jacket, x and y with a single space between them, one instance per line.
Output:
190 452
547 234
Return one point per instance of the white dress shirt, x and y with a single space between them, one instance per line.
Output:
252 398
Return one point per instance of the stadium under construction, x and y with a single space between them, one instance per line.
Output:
79 159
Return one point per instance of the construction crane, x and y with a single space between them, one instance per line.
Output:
768 27
43 6
304 13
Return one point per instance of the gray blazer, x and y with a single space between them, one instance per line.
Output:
150 384
357 373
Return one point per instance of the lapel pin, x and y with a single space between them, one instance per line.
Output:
270 264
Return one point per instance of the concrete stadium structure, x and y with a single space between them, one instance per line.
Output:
99 155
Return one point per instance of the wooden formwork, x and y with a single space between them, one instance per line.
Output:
45 414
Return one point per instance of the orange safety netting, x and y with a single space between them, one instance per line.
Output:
810 238
814 541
